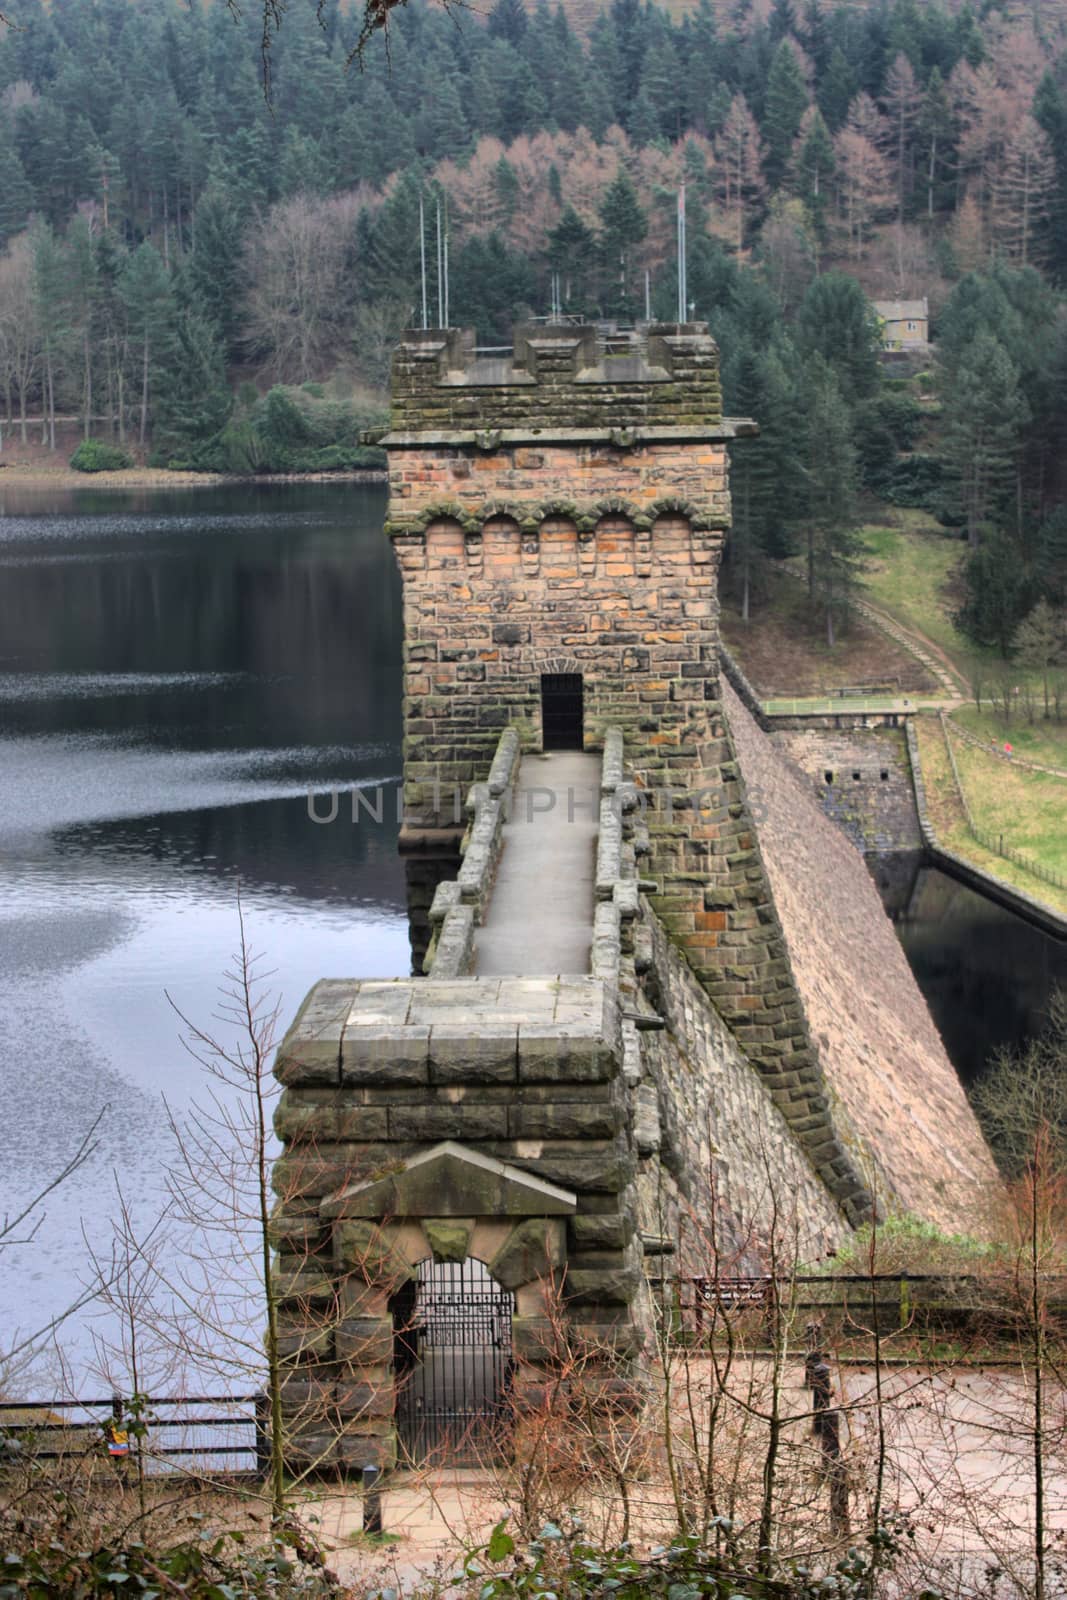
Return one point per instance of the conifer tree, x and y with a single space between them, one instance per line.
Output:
813 171
784 106
935 139
213 267
661 90
569 252
644 122
1050 112
998 593
16 197
623 226
837 90
830 476
837 322
759 469
1051 564
984 417
508 21
145 290
193 399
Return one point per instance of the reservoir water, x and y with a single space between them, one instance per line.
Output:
177 670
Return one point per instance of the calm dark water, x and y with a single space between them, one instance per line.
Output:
987 975
176 671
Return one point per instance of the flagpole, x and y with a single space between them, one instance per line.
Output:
682 287
422 261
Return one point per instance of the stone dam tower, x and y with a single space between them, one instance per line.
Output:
662 1013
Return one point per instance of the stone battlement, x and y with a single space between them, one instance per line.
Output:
567 383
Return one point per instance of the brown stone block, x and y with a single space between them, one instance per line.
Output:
359 1399
371 1444
365 1342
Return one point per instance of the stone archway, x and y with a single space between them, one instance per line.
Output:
448 1206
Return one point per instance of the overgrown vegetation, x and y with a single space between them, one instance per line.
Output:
289 430
93 455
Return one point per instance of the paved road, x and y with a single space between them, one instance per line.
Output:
540 917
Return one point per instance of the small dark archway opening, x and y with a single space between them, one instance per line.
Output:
562 711
453 1364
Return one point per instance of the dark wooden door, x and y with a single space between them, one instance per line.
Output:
562 711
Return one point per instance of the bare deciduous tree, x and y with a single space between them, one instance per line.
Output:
297 267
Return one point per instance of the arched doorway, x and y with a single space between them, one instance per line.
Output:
452 1361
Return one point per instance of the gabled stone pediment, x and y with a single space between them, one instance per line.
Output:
451 1180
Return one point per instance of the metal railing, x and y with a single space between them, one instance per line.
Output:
696 1305
162 1430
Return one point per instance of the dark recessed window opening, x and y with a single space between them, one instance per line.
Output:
885 776
829 777
562 711
855 777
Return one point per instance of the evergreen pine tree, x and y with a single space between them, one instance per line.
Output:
813 170
193 399
389 244
785 103
997 592
570 252
836 321
760 469
660 91
1051 564
599 111
644 122
570 93
1050 112
213 267
482 99
837 90
16 197
304 167
830 477
623 226
145 290
984 417
508 21
443 124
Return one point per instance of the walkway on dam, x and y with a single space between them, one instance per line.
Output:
540 916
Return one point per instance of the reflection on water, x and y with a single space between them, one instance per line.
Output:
176 671
987 975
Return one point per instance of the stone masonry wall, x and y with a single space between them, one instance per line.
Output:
862 779
721 1160
376 1073
635 612
892 1090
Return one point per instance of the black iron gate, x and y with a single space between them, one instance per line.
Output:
562 711
453 1363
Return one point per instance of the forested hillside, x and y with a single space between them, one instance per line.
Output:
190 269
